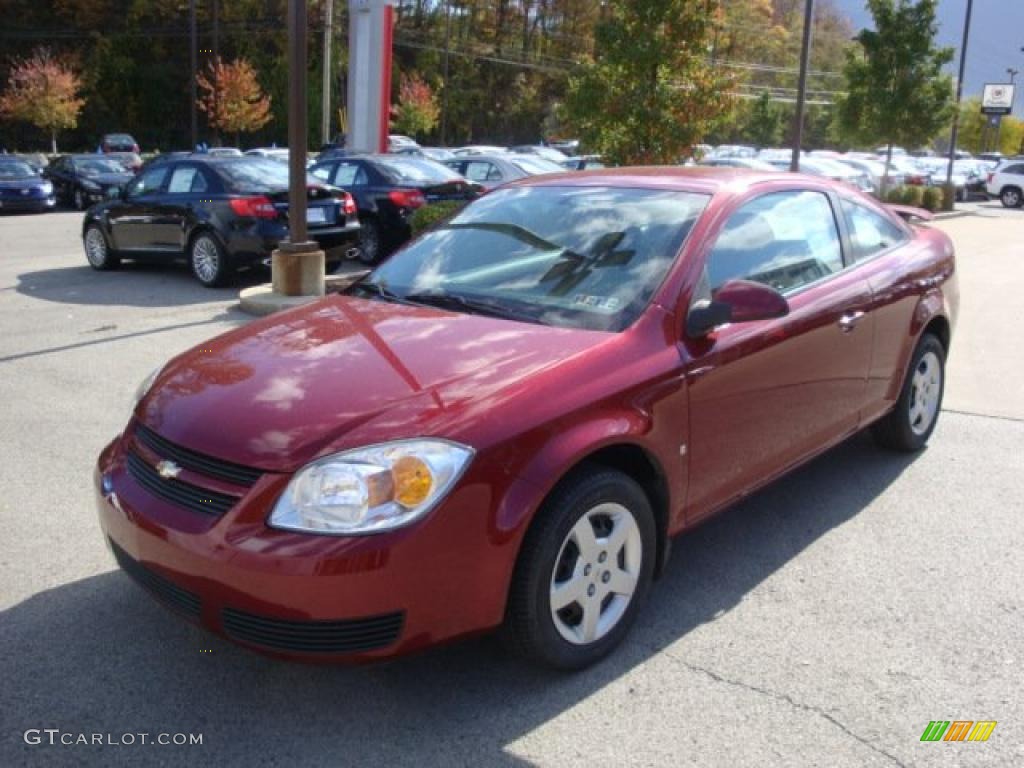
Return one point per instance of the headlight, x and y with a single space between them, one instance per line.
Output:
144 386
47 188
373 489
92 186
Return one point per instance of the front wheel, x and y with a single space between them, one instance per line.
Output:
209 263
909 425
369 241
97 249
584 570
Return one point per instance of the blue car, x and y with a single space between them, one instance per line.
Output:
22 188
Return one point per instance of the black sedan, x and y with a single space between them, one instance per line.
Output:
218 213
22 188
81 180
388 189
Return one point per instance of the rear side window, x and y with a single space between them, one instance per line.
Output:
350 175
185 180
149 182
782 239
478 170
870 232
1016 170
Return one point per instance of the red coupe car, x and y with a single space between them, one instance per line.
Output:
504 424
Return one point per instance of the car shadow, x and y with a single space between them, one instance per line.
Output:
134 284
98 655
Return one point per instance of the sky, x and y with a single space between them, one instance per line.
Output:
996 38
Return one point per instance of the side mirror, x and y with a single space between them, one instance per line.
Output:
737 301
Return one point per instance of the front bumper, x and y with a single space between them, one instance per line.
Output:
257 242
306 597
27 203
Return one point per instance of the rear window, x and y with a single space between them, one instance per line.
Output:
256 175
536 165
416 170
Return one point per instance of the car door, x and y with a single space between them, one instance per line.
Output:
764 395
186 190
131 223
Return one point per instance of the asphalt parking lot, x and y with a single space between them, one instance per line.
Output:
823 622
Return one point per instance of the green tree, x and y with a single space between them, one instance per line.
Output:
763 125
649 94
896 92
43 91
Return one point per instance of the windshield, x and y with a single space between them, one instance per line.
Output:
578 257
256 174
409 169
94 166
16 170
536 165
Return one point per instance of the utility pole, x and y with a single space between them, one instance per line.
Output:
325 117
959 93
194 59
444 85
801 94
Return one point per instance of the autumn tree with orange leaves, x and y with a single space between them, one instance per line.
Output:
43 91
417 111
232 97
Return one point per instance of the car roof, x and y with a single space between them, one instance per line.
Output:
703 179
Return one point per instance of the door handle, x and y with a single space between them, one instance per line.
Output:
848 321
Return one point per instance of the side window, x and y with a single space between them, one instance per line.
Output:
349 175
148 183
183 180
782 239
322 172
1016 170
477 170
869 231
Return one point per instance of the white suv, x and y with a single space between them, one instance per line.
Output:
1007 183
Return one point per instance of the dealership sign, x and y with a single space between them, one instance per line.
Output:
997 99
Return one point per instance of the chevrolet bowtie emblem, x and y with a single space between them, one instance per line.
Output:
168 469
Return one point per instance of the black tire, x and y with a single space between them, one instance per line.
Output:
97 248
370 245
208 260
901 430
530 629
332 266
1011 197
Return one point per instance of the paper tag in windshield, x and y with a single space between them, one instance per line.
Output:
607 303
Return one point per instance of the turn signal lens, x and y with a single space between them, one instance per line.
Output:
413 481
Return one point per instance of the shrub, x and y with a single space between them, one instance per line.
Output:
932 198
948 196
429 215
895 194
914 196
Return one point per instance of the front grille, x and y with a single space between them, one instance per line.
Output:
177 492
345 636
174 597
196 462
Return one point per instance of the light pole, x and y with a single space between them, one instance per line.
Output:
959 93
444 85
805 57
325 117
194 62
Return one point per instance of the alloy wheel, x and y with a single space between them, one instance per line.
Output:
926 391
205 259
596 574
1011 198
95 247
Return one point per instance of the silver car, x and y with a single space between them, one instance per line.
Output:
494 170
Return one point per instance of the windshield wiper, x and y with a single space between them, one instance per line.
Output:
376 289
475 306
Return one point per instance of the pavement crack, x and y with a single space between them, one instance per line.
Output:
785 698
997 417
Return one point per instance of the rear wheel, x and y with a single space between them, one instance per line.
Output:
209 263
369 241
585 567
97 249
1010 197
909 425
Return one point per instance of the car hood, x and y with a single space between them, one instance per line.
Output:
28 181
344 372
106 179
